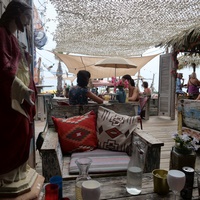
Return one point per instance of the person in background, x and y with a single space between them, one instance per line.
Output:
179 84
133 90
95 90
66 90
147 90
78 95
18 94
144 97
105 95
193 86
198 98
107 91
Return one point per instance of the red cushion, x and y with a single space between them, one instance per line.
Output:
78 133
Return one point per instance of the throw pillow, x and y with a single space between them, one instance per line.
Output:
114 131
77 133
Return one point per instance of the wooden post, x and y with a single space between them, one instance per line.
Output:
39 68
147 109
180 122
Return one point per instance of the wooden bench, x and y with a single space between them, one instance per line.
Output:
53 161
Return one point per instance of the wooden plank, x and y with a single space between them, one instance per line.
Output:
115 188
52 158
166 87
190 110
150 140
162 128
64 111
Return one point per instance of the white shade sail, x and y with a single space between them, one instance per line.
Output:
76 63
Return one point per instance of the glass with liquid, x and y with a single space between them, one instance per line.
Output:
176 181
135 169
134 180
83 166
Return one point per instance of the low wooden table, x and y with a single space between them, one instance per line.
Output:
114 188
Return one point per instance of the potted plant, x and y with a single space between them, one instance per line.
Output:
120 93
185 144
183 152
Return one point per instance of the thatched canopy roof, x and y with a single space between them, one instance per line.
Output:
189 61
186 41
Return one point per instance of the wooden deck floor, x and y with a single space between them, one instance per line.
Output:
160 127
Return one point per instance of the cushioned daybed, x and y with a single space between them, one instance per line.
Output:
105 136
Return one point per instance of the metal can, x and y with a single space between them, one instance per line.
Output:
186 192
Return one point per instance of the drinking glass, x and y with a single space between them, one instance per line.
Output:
57 180
91 190
83 166
51 192
176 181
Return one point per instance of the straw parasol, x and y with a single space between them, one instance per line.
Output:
116 62
189 61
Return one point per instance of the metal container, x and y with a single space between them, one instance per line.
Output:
160 181
186 192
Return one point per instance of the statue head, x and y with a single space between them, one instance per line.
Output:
19 11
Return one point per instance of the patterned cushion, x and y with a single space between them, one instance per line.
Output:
114 131
77 133
102 161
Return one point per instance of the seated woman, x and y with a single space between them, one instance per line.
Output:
147 90
107 91
133 91
193 86
144 96
78 95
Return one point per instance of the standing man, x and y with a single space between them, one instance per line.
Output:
179 84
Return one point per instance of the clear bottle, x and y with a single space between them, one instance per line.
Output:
83 166
135 169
